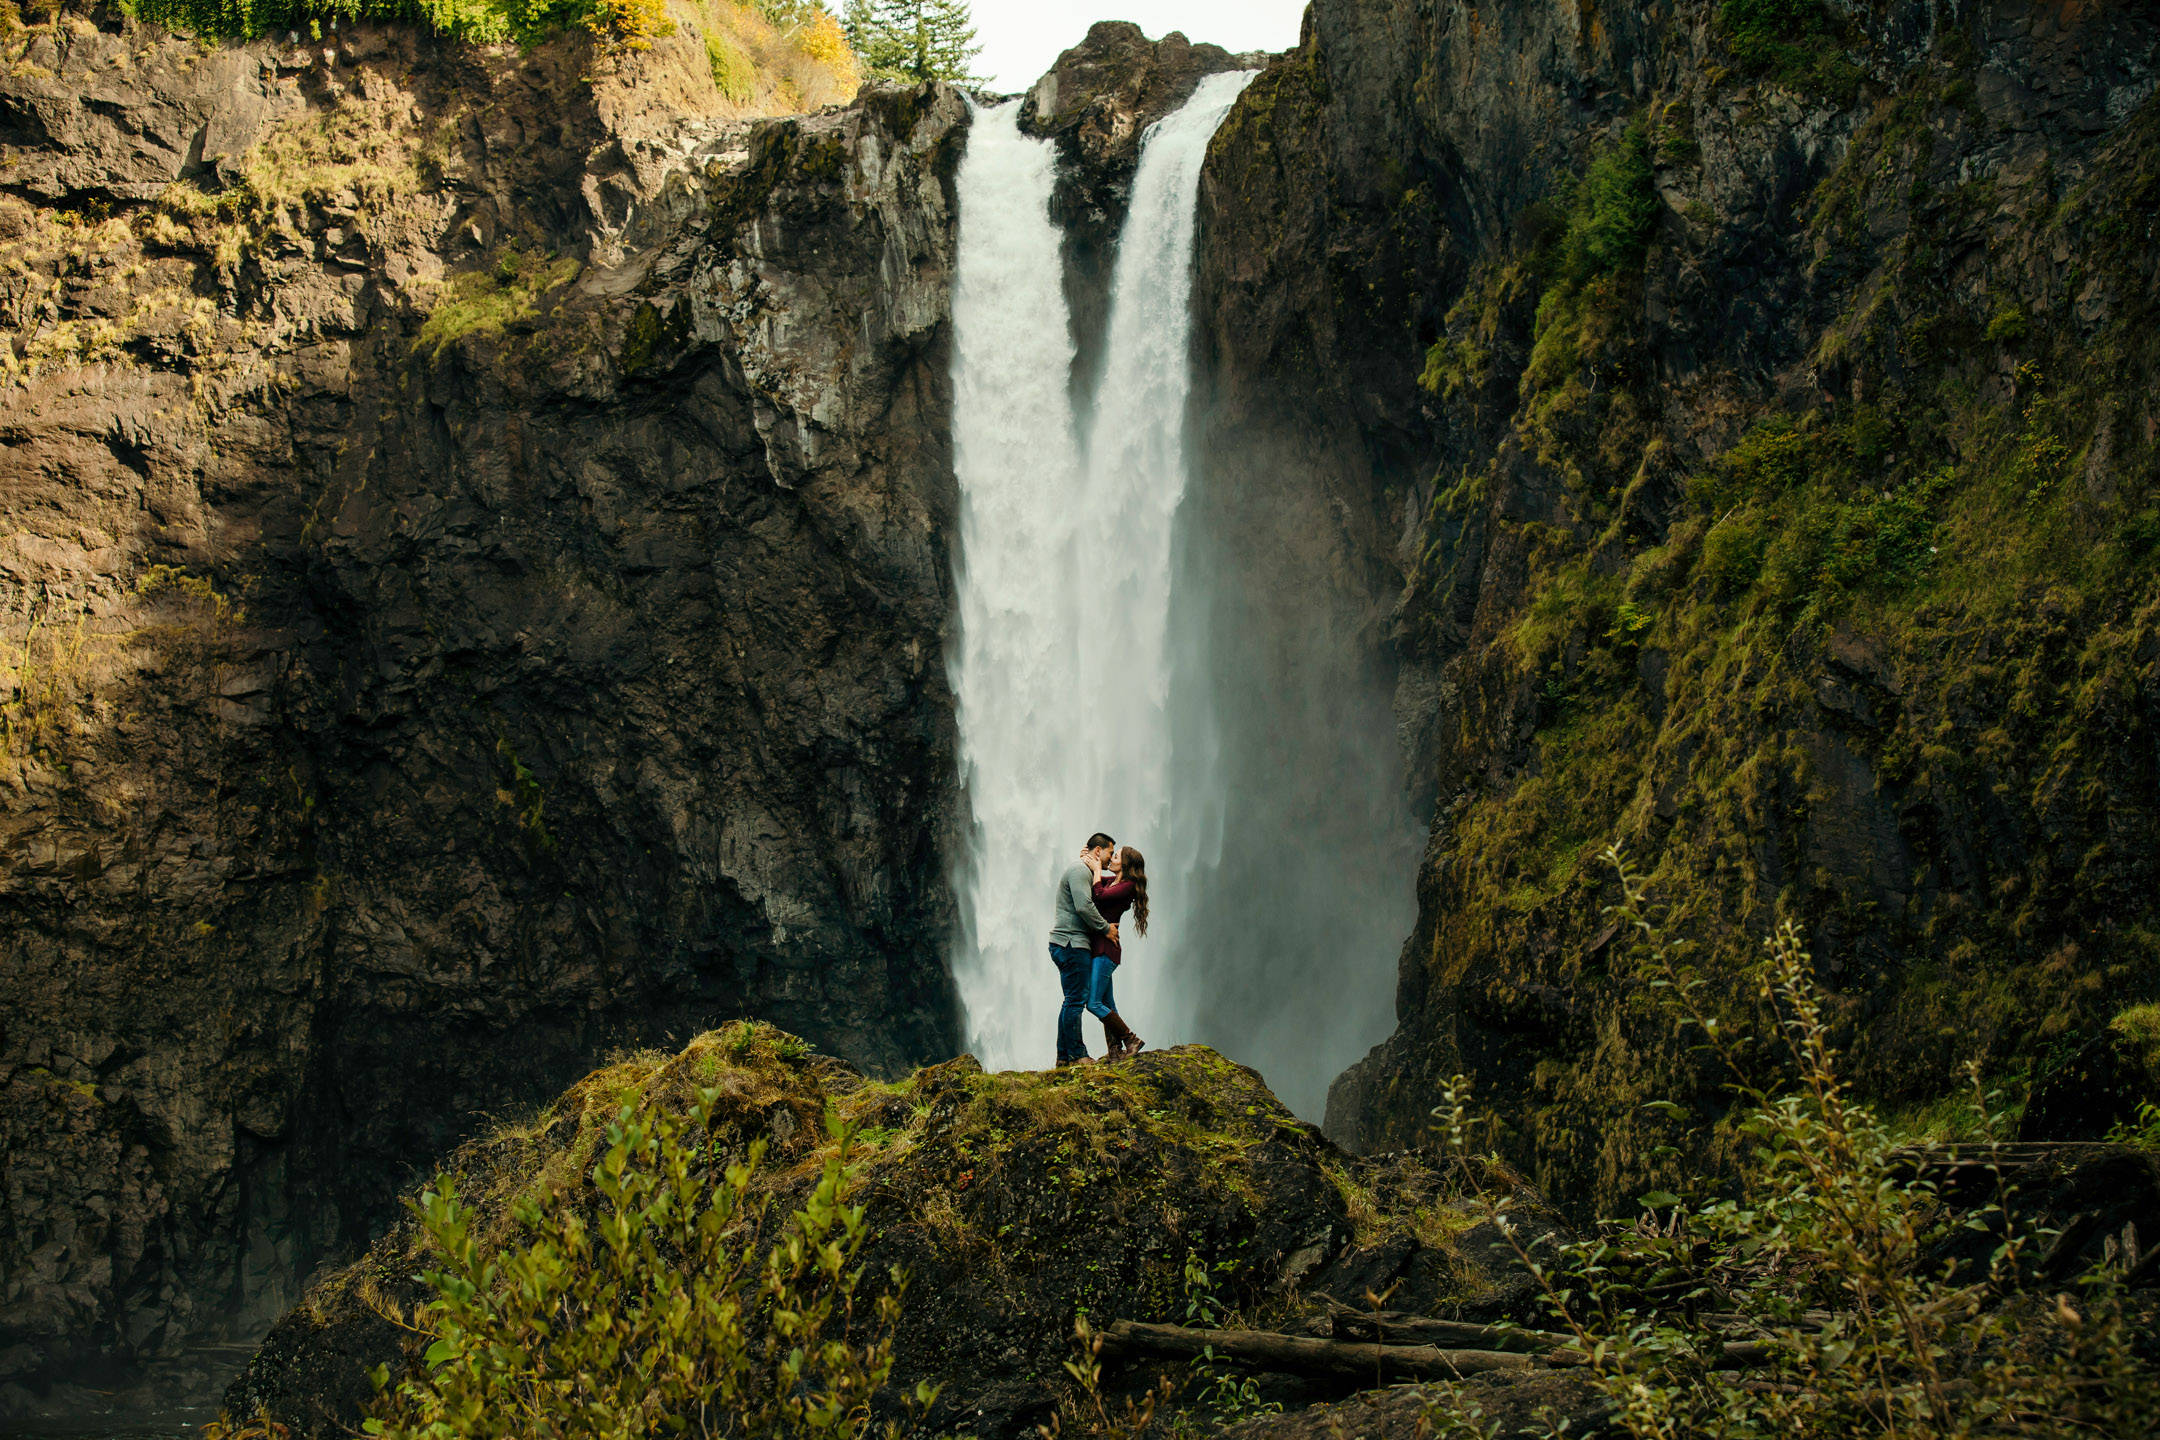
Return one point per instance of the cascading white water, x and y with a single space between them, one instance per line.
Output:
1136 481
1062 673
1017 696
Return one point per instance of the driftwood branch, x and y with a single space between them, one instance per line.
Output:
1304 1354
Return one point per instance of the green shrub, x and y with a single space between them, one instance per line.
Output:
659 1305
1604 217
1802 510
1834 1293
1771 460
2137 1032
1619 202
2143 1132
1794 42
733 73
624 24
1732 553
2008 326
486 302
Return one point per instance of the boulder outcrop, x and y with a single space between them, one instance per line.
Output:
1012 1200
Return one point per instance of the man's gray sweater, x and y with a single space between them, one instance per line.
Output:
1078 921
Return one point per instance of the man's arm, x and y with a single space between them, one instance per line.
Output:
1083 898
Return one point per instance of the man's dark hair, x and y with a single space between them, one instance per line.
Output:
1097 840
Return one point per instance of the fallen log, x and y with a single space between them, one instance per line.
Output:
1392 1328
2145 1272
1389 1327
1305 1354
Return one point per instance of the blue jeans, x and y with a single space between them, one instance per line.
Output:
1073 967
1100 1001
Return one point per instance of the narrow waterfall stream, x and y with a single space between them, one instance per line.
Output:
1063 670
1015 684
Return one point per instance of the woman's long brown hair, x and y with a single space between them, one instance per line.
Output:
1131 867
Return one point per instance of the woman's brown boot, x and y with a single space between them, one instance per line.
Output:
1122 1041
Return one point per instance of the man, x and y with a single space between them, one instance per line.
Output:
1072 937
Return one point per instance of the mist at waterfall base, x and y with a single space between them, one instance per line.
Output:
1105 677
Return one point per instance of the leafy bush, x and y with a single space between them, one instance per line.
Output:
620 24
1587 264
1803 510
485 302
1770 460
2008 326
1618 202
1837 1293
733 74
667 1310
779 56
1732 553
2143 1132
2139 1026
1604 217
1795 42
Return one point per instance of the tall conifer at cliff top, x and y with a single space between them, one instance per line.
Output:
914 39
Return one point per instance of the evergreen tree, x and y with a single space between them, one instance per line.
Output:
914 39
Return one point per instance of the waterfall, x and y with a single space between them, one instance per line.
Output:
1019 467
1136 482
1062 674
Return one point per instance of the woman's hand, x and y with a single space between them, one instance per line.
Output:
1087 858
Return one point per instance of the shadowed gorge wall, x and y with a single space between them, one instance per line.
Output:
472 587
1758 424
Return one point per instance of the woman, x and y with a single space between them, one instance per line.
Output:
1119 886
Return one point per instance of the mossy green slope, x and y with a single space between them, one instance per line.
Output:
1851 619
1014 1201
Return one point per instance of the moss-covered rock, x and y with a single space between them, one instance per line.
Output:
1014 1201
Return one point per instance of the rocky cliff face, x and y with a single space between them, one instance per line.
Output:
1747 421
471 586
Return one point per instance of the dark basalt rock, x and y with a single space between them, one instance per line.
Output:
498 586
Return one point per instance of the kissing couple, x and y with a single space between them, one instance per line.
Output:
1092 897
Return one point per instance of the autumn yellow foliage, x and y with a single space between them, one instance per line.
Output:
764 68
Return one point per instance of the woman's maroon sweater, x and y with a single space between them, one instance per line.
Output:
1113 898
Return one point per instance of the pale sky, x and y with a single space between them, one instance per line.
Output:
1021 38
